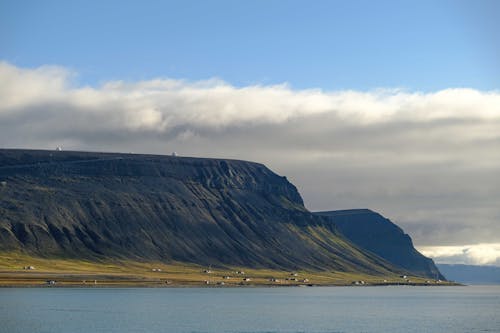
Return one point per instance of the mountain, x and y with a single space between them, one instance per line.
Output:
471 274
377 234
174 209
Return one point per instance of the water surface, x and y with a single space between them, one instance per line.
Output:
245 310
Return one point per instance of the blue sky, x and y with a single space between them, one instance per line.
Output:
332 45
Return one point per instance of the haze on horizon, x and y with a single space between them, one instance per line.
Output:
393 108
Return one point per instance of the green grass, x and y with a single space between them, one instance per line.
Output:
73 272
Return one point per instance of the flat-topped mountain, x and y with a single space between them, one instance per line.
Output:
377 234
174 209
205 211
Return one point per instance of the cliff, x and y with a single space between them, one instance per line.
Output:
175 209
377 234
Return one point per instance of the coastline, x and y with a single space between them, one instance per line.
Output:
21 270
186 286
18 279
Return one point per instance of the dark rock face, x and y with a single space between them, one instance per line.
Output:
205 211
373 232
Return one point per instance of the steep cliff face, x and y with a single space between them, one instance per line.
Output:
205 211
373 232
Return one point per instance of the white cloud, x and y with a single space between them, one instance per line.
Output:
159 104
429 161
20 87
477 254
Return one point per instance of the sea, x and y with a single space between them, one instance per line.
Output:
251 310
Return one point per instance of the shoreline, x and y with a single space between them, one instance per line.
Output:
20 270
68 280
234 286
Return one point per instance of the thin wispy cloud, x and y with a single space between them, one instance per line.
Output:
429 161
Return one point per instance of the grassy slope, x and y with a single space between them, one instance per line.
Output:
72 272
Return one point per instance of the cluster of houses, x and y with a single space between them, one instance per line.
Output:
91 282
404 277
293 277
156 270
220 283
29 268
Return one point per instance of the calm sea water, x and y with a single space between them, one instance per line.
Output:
319 309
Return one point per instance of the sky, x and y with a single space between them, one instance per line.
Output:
387 105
